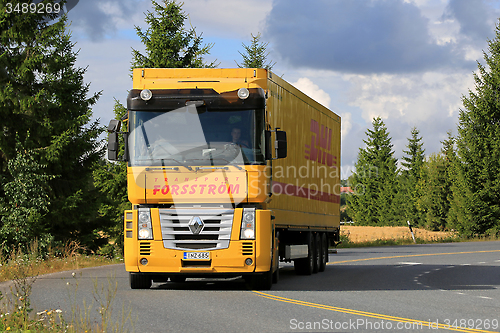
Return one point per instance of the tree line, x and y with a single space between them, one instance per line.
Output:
457 188
56 184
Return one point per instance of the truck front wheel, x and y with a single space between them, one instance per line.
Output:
263 281
139 281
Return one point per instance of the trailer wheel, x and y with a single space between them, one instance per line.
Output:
139 281
317 252
323 252
276 274
305 266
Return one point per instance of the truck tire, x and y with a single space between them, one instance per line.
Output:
317 252
305 266
323 252
139 281
276 257
262 281
177 279
276 275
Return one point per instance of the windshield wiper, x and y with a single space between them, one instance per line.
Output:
217 158
180 163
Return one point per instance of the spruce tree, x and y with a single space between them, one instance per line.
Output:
42 93
110 179
436 191
412 162
255 55
478 150
168 44
374 180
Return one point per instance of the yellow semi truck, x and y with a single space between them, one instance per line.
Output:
230 171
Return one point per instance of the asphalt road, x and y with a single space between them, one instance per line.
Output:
437 287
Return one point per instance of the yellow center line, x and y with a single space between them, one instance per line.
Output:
427 324
423 323
408 256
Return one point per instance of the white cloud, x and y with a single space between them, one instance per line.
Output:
312 90
346 119
228 18
411 98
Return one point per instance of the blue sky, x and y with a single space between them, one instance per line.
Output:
407 61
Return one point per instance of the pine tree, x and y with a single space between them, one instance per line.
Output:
413 163
478 150
168 44
255 55
438 187
374 180
435 193
110 179
43 94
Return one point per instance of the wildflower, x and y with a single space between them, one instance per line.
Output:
73 274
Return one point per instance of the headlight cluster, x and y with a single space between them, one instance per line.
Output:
145 227
248 224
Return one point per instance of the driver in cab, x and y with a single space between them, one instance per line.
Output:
236 138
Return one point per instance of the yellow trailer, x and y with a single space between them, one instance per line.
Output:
229 172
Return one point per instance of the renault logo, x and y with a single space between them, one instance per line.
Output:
196 225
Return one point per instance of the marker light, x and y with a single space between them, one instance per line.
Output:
243 93
146 94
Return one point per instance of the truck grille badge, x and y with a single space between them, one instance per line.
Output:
196 225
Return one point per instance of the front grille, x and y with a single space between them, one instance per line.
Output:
215 234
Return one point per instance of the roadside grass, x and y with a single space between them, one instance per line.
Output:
68 257
23 268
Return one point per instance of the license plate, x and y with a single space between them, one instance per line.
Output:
196 256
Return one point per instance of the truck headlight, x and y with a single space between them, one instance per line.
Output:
145 228
248 224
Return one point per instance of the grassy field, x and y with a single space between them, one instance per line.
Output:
364 233
372 236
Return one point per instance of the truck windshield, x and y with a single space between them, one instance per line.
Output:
196 136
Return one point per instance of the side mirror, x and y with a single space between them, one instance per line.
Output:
113 146
113 129
268 155
114 125
281 144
